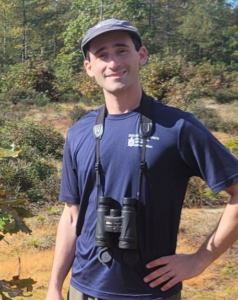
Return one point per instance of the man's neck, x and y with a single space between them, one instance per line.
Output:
122 102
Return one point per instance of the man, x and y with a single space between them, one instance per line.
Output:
154 170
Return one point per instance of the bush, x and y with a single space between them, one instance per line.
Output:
77 113
34 75
42 138
70 96
210 118
23 179
198 194
232 146
88 87
160 74
225 95
26 96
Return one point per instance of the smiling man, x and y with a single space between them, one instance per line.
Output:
125 172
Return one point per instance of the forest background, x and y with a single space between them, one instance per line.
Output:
193 65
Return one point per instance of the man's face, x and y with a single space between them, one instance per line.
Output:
114 61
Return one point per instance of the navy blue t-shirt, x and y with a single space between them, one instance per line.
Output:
179 148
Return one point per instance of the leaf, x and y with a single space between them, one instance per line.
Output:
24 213
12 202
6 153
16 287
21 225
23 283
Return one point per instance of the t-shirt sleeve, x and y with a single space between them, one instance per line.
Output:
69 180
206 156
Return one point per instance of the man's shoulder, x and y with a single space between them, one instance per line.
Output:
168 114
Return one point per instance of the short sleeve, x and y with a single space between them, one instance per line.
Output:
206 156
69 180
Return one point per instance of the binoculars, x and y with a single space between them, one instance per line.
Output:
121 221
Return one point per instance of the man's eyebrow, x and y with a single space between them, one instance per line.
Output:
116 45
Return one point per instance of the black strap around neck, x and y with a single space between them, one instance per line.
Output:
145 131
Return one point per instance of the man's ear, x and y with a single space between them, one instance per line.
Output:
143 56
88 68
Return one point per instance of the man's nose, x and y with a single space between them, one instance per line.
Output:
113 62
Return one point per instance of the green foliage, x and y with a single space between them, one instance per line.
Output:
232 146
89 88
210 118
12 215
77 113
30 81
7 153
32 174
44 139
26 96
225 95
28 179
160 74
65 73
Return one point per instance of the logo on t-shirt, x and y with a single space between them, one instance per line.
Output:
134 140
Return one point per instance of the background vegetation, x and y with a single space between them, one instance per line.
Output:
193 65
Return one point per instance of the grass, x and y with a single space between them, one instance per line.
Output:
36 253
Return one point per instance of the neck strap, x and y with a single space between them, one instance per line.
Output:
145 131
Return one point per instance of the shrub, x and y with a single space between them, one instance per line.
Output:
34 75
29 179
77 113
198 194
70 96
160 74
42 138
225 95
88 87
27 96
210 118
232 146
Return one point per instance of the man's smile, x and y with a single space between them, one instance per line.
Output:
116 74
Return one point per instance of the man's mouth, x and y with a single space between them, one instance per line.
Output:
116 74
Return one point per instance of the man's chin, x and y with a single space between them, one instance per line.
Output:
115 90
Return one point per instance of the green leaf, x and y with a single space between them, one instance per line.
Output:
12 202
20 225
6 153
23 212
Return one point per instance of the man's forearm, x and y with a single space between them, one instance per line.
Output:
64 250
225 234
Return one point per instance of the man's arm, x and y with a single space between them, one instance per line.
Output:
179 267
64 251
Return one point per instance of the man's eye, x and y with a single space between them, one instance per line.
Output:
102 55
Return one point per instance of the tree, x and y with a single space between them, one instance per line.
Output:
12 214
203 29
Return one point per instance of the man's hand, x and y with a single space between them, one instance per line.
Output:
173 269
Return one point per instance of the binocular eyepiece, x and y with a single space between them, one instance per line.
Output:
111 221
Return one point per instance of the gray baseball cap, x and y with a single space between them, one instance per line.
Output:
106 26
